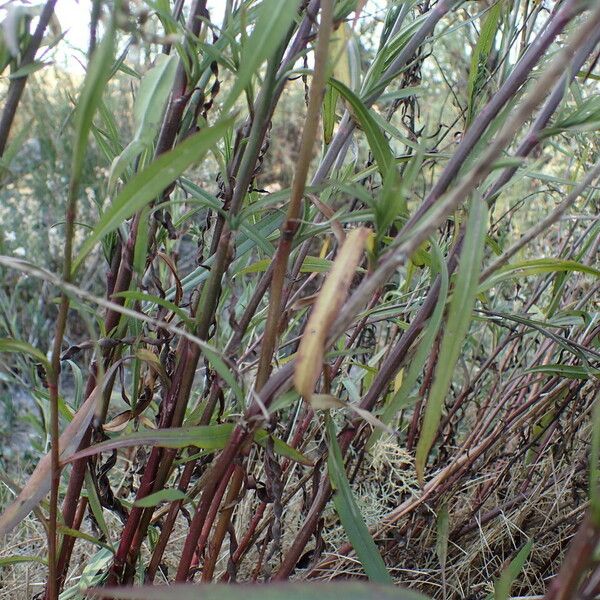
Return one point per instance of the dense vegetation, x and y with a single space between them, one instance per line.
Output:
301 290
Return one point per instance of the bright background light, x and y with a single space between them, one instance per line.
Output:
74 18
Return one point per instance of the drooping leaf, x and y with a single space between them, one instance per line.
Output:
208 437
331 297
38 484
68 531
280 447
568 371
579 351
327 401
377 143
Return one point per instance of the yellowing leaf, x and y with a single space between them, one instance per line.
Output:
329 301
338 50
398 380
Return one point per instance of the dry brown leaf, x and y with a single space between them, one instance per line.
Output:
329 214
38 484
330 299
119 422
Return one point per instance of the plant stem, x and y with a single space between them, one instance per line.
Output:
290 225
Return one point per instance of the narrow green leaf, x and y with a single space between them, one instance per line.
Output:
459 318
311 264
374 82
401 93
28 69
93 573
11 345
267 226
568 371
528 268
140 251
95 505
505 581
152 95
77 385
148 184
392 201
168 495
442 524
541 326
348 590
350 515
15 144
280 447
442 534
82 536
209 437
151 299
396 134
329 104
91 95
479 59
586 117
377 142
216 360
